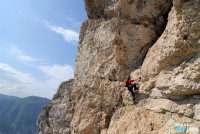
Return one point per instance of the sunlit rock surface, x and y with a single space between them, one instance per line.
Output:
158 40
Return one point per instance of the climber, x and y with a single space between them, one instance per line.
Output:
130 86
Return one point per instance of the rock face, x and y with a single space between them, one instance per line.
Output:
173 61
158 40
53 118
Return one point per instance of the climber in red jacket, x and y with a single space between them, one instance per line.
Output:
130 87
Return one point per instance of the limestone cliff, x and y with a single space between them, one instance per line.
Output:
158 40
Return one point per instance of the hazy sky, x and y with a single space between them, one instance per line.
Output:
38 45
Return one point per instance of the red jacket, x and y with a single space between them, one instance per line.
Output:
130 82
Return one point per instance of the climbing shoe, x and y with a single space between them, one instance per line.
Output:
134 102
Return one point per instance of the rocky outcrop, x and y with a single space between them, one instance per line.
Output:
136 120
173 61
56 116
155 40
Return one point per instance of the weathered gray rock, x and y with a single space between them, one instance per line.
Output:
56 116
108 49
197 112
135 120
173 61
140 11
117 40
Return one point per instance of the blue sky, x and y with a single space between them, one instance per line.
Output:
38 45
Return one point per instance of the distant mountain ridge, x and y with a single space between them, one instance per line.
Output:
19 115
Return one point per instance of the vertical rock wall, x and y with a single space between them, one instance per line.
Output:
123 37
